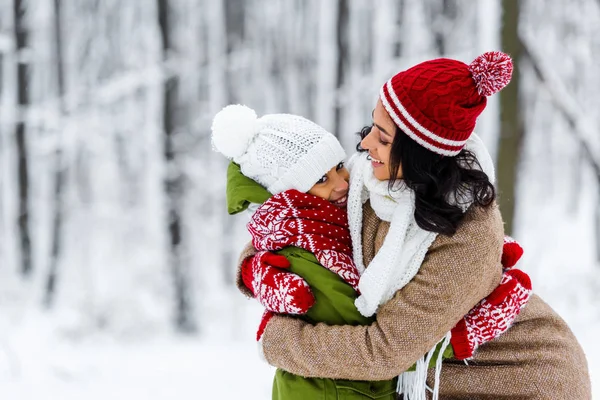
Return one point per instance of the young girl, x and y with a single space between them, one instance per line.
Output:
293 170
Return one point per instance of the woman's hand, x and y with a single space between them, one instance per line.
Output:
277 290
497 312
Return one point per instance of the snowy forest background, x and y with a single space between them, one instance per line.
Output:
116 254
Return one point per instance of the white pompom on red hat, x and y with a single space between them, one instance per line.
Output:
491 71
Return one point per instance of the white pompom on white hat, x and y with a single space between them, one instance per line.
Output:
233 129
279 151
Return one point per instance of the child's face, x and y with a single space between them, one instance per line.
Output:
333 186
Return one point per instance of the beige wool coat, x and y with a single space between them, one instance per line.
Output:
537 358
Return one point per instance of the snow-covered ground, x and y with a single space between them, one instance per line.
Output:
157 370
39 363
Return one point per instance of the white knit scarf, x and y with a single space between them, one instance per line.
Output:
404 247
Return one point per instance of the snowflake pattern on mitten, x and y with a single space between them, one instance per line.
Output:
340 264
277 290
497 312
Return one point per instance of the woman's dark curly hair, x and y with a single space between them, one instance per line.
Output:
435 179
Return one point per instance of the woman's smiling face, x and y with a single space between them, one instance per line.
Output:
379 143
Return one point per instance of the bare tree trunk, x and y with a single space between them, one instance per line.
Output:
1 71
597 224
1 148
343 57
399 17
234 27
3 230
59 169
511 118
20 32
184 319
443 14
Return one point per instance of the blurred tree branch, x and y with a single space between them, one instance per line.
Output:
567 105
582 129
60 169
173 183
23 69
511 116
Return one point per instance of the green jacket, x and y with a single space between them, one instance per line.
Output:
334 305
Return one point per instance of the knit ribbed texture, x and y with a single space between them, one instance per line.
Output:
290 152
437 102
279 151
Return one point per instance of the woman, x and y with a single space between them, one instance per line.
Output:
422 121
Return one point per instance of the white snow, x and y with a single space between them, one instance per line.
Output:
37 361
108 334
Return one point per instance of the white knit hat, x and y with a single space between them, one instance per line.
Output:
279 151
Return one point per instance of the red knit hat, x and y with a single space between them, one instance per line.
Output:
437 102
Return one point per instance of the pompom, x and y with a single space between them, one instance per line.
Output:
491 72
232 130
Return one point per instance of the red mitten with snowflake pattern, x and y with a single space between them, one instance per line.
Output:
277 290
497 312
